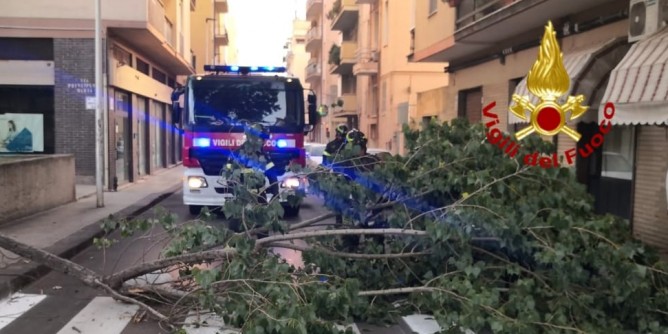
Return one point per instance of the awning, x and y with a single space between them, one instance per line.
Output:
576 63
639 86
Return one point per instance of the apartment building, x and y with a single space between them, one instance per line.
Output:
376 86
612 53
296 57
48 78
387 37
320 39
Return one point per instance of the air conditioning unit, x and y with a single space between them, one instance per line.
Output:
646 17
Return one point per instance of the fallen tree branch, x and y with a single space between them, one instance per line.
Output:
347 255
293 227
127 299
311 234
117 279
52 261
67 267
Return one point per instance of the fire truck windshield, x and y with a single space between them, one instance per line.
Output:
221 104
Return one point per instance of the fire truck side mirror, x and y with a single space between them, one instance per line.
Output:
311 99
312 114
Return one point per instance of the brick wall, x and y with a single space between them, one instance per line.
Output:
74 125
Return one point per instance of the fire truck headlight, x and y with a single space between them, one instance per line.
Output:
281 143
197 182
202 142
291 183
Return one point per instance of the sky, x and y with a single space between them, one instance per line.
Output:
263 27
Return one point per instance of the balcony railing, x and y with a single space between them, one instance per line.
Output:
470 11
367 62
349 105
313 34
313 70
313 38
344 15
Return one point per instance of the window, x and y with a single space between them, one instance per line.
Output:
402 113
123 57
159 76
617 160
348 84
427 119
432 6
216 103
143 67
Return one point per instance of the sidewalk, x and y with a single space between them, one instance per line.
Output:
68 229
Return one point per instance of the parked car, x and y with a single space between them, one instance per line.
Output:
314 153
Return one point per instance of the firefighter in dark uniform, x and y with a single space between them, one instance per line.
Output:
335 146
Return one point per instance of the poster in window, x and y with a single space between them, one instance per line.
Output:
21 133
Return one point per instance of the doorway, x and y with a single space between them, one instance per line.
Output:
123 136
142 134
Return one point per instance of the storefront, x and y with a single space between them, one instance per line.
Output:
638 151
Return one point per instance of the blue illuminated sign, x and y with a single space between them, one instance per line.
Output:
281 143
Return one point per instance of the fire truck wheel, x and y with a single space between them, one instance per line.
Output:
195 210
291 211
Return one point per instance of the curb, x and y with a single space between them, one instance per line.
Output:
21 274
160 171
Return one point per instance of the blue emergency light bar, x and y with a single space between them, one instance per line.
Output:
244 69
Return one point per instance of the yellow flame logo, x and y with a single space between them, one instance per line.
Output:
548 80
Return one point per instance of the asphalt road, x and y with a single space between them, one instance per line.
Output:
71 307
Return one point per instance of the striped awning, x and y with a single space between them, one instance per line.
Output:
575 63
639 84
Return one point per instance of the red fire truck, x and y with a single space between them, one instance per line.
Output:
217 109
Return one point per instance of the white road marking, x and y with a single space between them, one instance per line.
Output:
425 324
103 315
209 323
16 305
422 323
354 327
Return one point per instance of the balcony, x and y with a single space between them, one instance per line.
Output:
342 60
344 15
349 107
220 6
151 32
220 36
367 62
481 24
313 39
313 10
313 71
366 2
